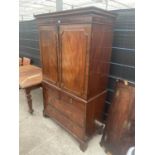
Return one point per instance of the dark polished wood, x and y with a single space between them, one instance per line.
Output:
74 38
30 77
75 50
119 133
29 97
29 100
48 36
100 54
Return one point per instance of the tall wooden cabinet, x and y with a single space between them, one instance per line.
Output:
75 51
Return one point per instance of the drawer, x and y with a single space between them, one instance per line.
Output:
72 109
65 122
49 93
69 107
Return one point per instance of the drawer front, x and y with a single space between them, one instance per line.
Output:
69 107
65 122
49 94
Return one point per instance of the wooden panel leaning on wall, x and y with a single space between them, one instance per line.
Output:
75 51
119 133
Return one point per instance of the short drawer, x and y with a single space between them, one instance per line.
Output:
65 122
49 94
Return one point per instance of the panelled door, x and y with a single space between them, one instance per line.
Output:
49 55
74 43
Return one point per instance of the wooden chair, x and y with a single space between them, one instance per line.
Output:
26 61
20 62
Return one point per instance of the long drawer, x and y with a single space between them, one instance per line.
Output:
72 109
65 122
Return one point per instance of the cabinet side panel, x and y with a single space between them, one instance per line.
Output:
100 55
94 112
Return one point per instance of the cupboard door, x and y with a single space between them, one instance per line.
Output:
74 40
48 45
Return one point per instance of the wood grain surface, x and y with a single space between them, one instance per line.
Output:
75 50
119 133
29 76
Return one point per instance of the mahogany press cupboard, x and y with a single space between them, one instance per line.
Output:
75 50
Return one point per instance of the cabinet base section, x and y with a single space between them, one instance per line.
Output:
77 132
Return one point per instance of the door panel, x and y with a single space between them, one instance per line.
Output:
48 45
74 41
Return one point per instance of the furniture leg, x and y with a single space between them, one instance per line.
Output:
44 113
83 146
29 100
